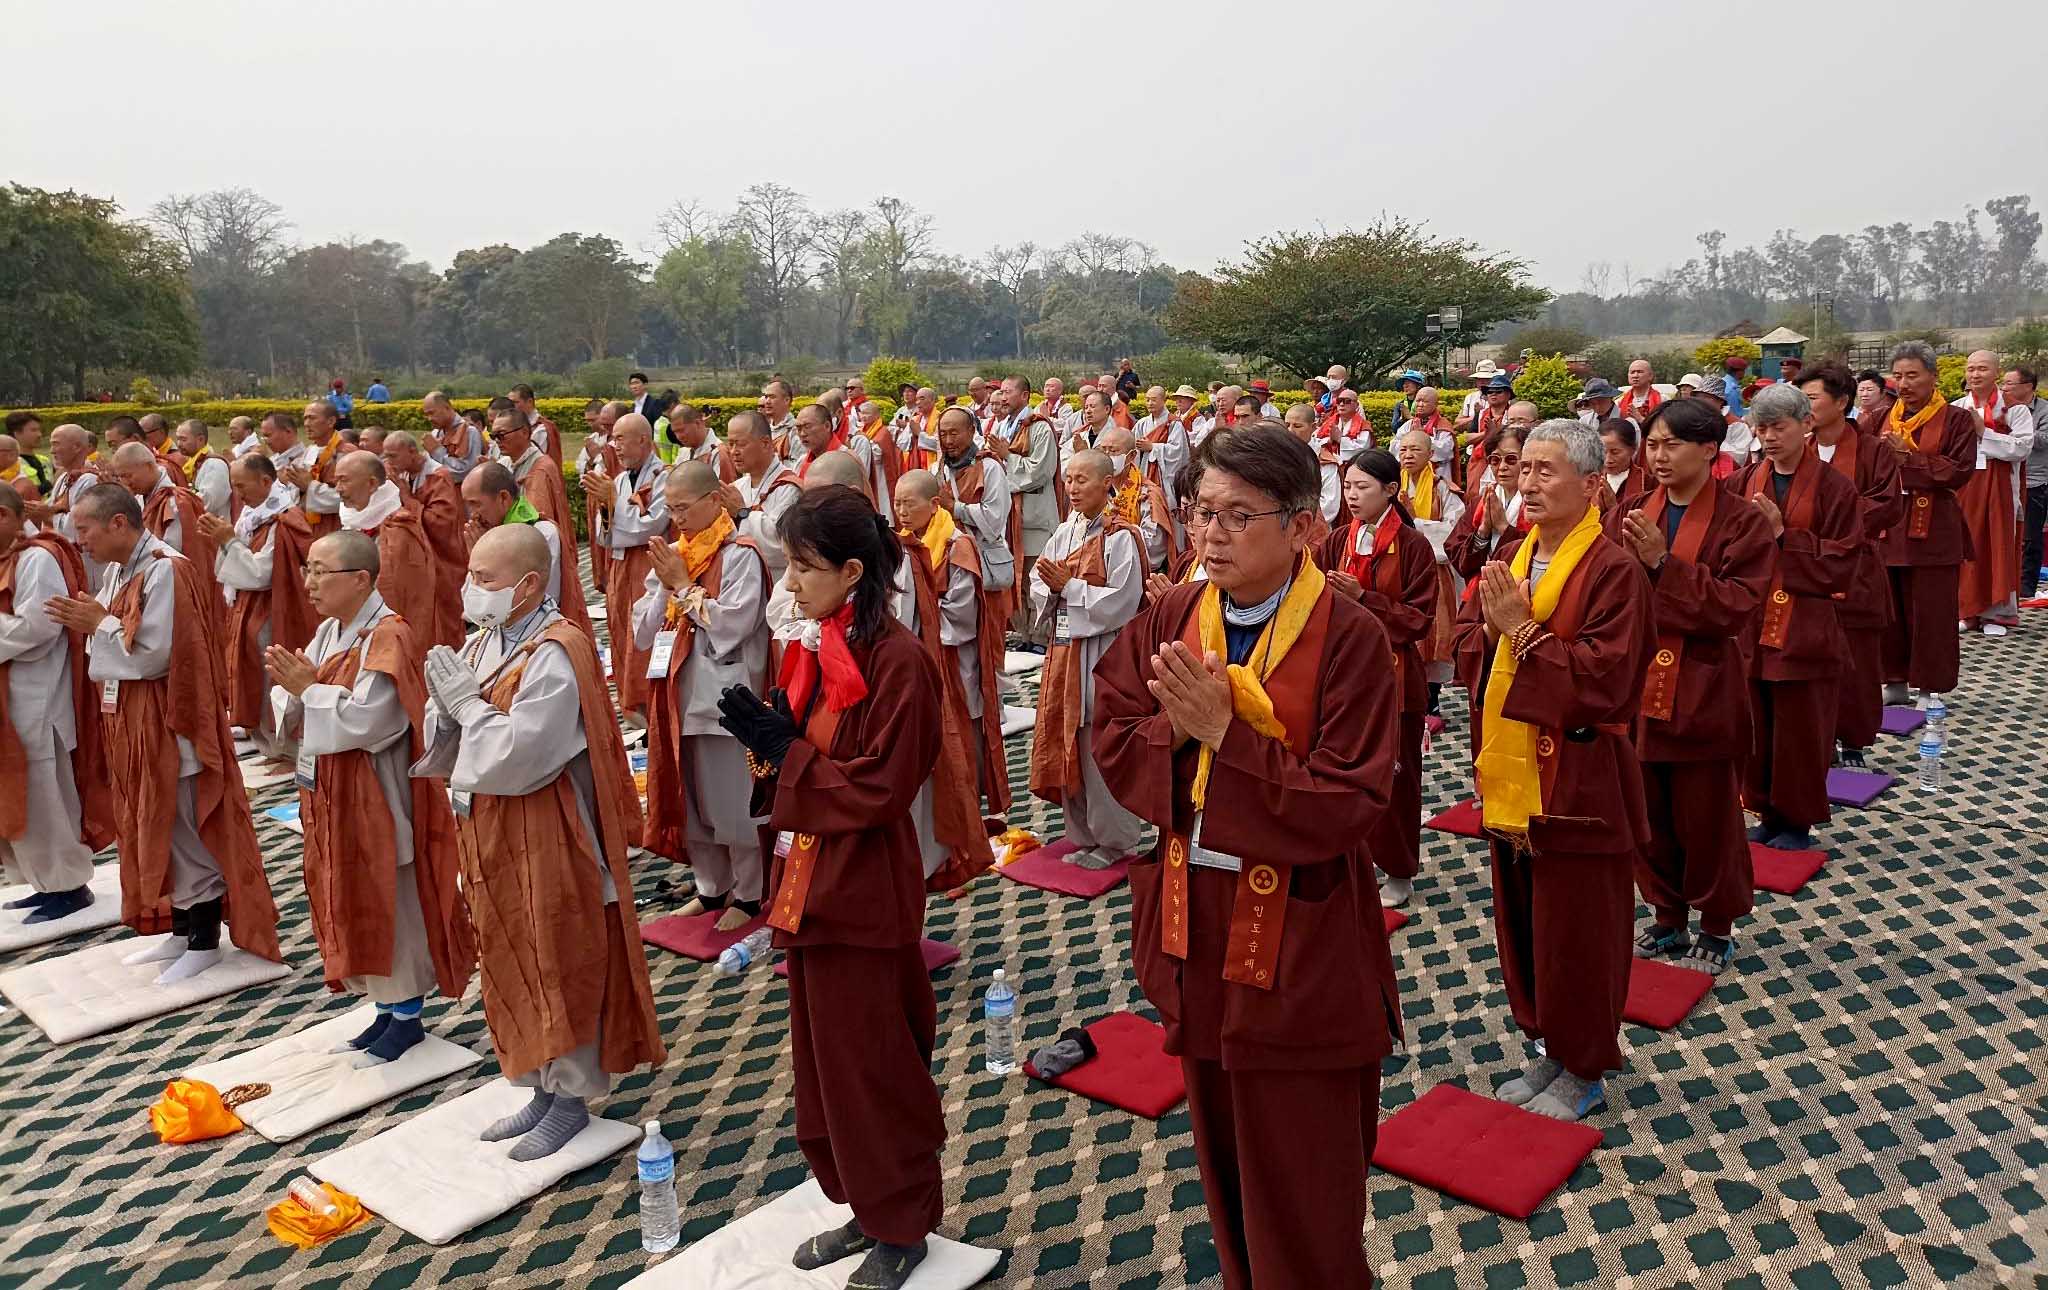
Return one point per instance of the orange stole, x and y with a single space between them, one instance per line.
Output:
351 884
531 880
793 894
1798 514
1055 743
88 757
956 793
1258 916
1660 681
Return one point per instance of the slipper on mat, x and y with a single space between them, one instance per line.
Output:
90 991
312 1086
937 954
1395 919
1857 787
1498 1157
1902 721
432 1176
1130 1070
1463 819
104 911
696 936
1047 869
752 1253
1660 994
1784 872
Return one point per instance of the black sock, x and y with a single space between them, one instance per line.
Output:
205 926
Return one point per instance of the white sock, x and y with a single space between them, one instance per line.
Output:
158 949
190 964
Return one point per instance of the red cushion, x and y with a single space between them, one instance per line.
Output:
1045 868
1462 819
1784 872
937 954
1499 1157
1130 1069
697 936
1396 919
1660 994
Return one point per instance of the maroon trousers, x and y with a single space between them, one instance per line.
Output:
1397 839
861 1026
1786 780
1920 646
1565 926
1286 1194
1698 857
1859 699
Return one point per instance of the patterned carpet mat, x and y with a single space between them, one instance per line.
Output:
1861 1101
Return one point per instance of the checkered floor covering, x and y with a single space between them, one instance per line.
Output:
1863 1100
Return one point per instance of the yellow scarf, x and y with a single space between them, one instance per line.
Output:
1510 780
192 462
1909 430
9 473
1421 492
1128 495
1248 699
697 553
938 536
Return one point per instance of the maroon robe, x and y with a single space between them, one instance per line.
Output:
862 1017
1924 551
1866 612
176 502
1693 731
1564 909
1796 647
1282 1078
442 519
284 609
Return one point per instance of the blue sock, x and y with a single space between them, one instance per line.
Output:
407 1010
384 1009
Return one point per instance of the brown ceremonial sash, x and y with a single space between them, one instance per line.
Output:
794 892
1660 683
1798 515
1258 916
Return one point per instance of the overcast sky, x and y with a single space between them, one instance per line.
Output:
1563 134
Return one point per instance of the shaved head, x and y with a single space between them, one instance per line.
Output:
365 463
1089 459
1116 440
837 467
401 439
695 477
347 549
133 454
514 550
921 484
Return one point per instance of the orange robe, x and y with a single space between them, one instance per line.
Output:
544 490
442 518
405 573
284 608
179 503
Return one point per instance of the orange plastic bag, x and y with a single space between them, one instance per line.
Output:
192 1110
298 1226
1013 843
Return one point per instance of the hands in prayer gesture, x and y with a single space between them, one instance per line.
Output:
730 498
1503 599
450 681
1054 575
1496 514
669 566
290 668
217 530
765 729
946 497
1157 585
80 614
596 483
1645 540
1193 692
1345 585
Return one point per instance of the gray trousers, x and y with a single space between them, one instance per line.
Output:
1094 818
195 874
412 962
720 838
48 856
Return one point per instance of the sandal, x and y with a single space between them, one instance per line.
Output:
1710 954
1658 940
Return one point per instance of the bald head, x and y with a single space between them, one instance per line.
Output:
1090 461
920 484
69 444
696 478
510 552
633 435
347 549
1116 441
133 454
488 492
137 468
837 467
365 464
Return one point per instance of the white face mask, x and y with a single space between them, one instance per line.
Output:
1117 460
487 609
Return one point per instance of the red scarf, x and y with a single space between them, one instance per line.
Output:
1984 411
834 444
1383 535
1626 405
1429 427
802 668
1333 429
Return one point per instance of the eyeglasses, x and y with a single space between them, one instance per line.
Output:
1228 521
321 571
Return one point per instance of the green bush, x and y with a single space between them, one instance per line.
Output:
2024 343
1549 384
601 374
886 374
1714 355
142 391
194 394
1948 375
1609 360
1178 365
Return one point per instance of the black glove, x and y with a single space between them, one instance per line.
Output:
766 731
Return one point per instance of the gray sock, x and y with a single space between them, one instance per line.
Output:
1569 1098
886 1267
1063 1054
1535 1077
1093 858
564 1120
827 1248
522 1120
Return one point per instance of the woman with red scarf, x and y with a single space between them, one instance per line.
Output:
1381 561
839 752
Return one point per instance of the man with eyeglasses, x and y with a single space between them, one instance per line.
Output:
371 505
1346 430
1261 693
260 562
380 860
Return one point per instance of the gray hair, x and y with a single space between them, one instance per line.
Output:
1775 403
108 502
1582 446
1919 351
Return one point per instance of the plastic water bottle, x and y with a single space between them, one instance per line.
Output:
661 1223
1937 720
312 1197
1933 779
999 1007
740 954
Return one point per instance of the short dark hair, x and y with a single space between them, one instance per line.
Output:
16 420
110 500
1621 428
501 405
595 405
1870 374
680 413
1833 377
2026 374
1689 420
522 391
776 382
1271 460
492 477
126 426
1500 431
836 524
638 376
259 463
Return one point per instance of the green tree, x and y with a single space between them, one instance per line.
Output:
80 288
702 283
1713 355
1549 384
1307 300
1545 338
586 295
2025 342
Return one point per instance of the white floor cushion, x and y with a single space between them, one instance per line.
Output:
263 774
753 1253
312 1086
434 1178
1018 720
90 991
104 911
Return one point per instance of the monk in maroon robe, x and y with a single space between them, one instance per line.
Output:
1553 645
1854 451
1935 445
1253 927
1709 556
1796 647
432 492
371 505
853 735
1379 559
